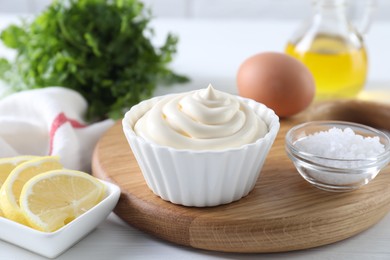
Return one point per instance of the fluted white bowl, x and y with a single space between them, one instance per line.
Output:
200 178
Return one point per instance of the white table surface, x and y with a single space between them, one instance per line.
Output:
210 52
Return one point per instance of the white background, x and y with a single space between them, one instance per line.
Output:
245 9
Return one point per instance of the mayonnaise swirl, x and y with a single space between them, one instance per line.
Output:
205 119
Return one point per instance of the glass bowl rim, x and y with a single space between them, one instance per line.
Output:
309 156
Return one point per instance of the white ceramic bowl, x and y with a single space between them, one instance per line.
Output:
53 244
200 178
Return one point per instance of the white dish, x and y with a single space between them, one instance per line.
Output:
53 244
200 178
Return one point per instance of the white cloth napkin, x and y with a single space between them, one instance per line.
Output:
48 121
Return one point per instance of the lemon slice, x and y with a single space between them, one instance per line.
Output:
52 199
12 187
8 164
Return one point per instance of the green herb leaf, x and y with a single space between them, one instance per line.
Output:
96 47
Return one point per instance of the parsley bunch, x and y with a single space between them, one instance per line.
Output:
99 48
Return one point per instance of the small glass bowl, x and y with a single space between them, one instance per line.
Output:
333 174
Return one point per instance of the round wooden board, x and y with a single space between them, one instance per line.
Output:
282 213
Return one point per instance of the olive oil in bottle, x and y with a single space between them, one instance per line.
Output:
332 48
339 70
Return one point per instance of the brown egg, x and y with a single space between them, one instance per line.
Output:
277 80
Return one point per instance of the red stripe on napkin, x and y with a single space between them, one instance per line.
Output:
57 123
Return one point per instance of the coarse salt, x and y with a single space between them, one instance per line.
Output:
341 144
340 159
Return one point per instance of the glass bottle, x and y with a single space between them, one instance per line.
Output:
333 50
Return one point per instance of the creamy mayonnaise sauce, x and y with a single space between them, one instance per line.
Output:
205 119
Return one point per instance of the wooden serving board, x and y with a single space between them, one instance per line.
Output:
282 213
